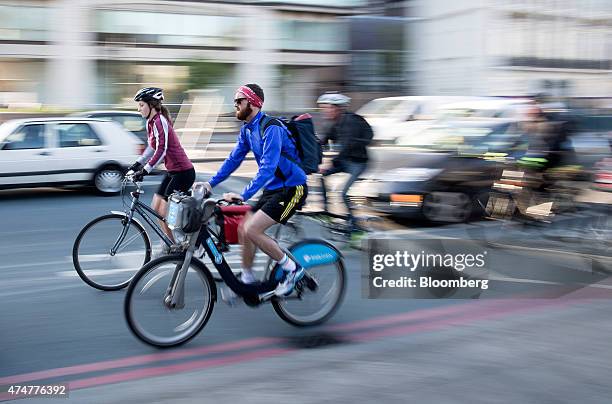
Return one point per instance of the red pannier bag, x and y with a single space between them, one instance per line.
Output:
229 220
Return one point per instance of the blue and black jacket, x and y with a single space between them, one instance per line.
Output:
275 153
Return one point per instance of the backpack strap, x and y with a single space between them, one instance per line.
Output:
265 123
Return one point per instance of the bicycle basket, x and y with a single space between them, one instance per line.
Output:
183 213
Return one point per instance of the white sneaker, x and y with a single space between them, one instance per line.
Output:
286 287
247 277
228 296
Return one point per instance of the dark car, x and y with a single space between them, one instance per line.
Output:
130 120
450 179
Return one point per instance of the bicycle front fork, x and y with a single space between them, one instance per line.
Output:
126 226
175 294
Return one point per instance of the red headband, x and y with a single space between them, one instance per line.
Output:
251 96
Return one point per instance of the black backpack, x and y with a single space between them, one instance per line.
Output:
301 130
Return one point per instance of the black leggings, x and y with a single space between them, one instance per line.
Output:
176 181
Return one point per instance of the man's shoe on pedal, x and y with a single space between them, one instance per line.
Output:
286 287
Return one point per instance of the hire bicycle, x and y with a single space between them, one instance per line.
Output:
170 299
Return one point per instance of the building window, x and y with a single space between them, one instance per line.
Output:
19 23
313 36
167 29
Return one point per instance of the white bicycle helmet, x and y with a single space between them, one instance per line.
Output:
149 94
334 99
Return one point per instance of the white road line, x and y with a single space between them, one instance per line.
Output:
30 290
36 264
259 265
96 257
541 282
554 251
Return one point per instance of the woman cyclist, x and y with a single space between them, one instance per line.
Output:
163 146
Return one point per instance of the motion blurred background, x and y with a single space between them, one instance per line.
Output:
73 54
449 88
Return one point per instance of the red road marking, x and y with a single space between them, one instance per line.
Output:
477 312
396 318
181 367
248 343
474 316
137 360
165 370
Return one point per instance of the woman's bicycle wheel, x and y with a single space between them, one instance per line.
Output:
319 294
151 319
92 257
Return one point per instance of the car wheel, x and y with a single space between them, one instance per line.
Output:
480 201
449 207
108 180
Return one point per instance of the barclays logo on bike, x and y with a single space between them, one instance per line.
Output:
216 253
318 258
312 255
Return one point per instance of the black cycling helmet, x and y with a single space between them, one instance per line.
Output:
149 94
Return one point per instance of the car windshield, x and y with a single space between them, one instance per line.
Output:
6 129
388 108
468 139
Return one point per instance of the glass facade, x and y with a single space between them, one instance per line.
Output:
321 3
167 29
21 23
378 54
313 36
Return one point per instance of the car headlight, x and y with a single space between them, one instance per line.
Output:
410 174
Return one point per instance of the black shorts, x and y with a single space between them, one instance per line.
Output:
176 181
280 204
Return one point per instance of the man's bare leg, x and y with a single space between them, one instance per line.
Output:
255 231
248 248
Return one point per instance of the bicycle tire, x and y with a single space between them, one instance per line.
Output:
277 303
127 307
77 244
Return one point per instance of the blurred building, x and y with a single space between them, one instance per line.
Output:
84 53
77 53
512 47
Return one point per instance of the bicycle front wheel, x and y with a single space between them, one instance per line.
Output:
152 319
93 259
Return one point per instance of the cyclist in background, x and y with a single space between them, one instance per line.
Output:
353 134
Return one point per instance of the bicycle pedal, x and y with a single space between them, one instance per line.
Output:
266 296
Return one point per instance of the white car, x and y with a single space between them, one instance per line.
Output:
406 116
494 107
65 151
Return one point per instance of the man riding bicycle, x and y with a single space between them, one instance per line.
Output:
353 134
281 177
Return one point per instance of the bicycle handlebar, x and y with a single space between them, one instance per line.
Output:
129 178
235 201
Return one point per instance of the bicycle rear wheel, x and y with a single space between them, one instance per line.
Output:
151 319
309 305
91 253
